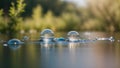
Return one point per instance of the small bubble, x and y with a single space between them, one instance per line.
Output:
25 38
118 40
5 45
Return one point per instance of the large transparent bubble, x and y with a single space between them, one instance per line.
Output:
47 36
73 36
47 33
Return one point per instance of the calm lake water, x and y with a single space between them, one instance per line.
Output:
96 54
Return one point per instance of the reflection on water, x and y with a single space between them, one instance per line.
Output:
47 45
97 54
14 47
73 45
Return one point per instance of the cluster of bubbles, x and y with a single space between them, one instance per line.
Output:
47 37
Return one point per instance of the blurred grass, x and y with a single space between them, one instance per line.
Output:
94 17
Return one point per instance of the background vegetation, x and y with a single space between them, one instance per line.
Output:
35 15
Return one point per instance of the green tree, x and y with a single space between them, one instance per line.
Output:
56 6
14 13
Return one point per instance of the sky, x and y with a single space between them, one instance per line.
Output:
77 2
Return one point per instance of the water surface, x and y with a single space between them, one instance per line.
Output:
97 54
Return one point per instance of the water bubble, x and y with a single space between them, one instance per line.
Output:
47 35
60 39
111 39
5 45
73 36
25 38
14 44
118 40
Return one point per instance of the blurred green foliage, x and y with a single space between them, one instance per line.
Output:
10 27
59 16
107 13
56 6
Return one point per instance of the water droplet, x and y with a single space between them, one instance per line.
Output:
73 36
